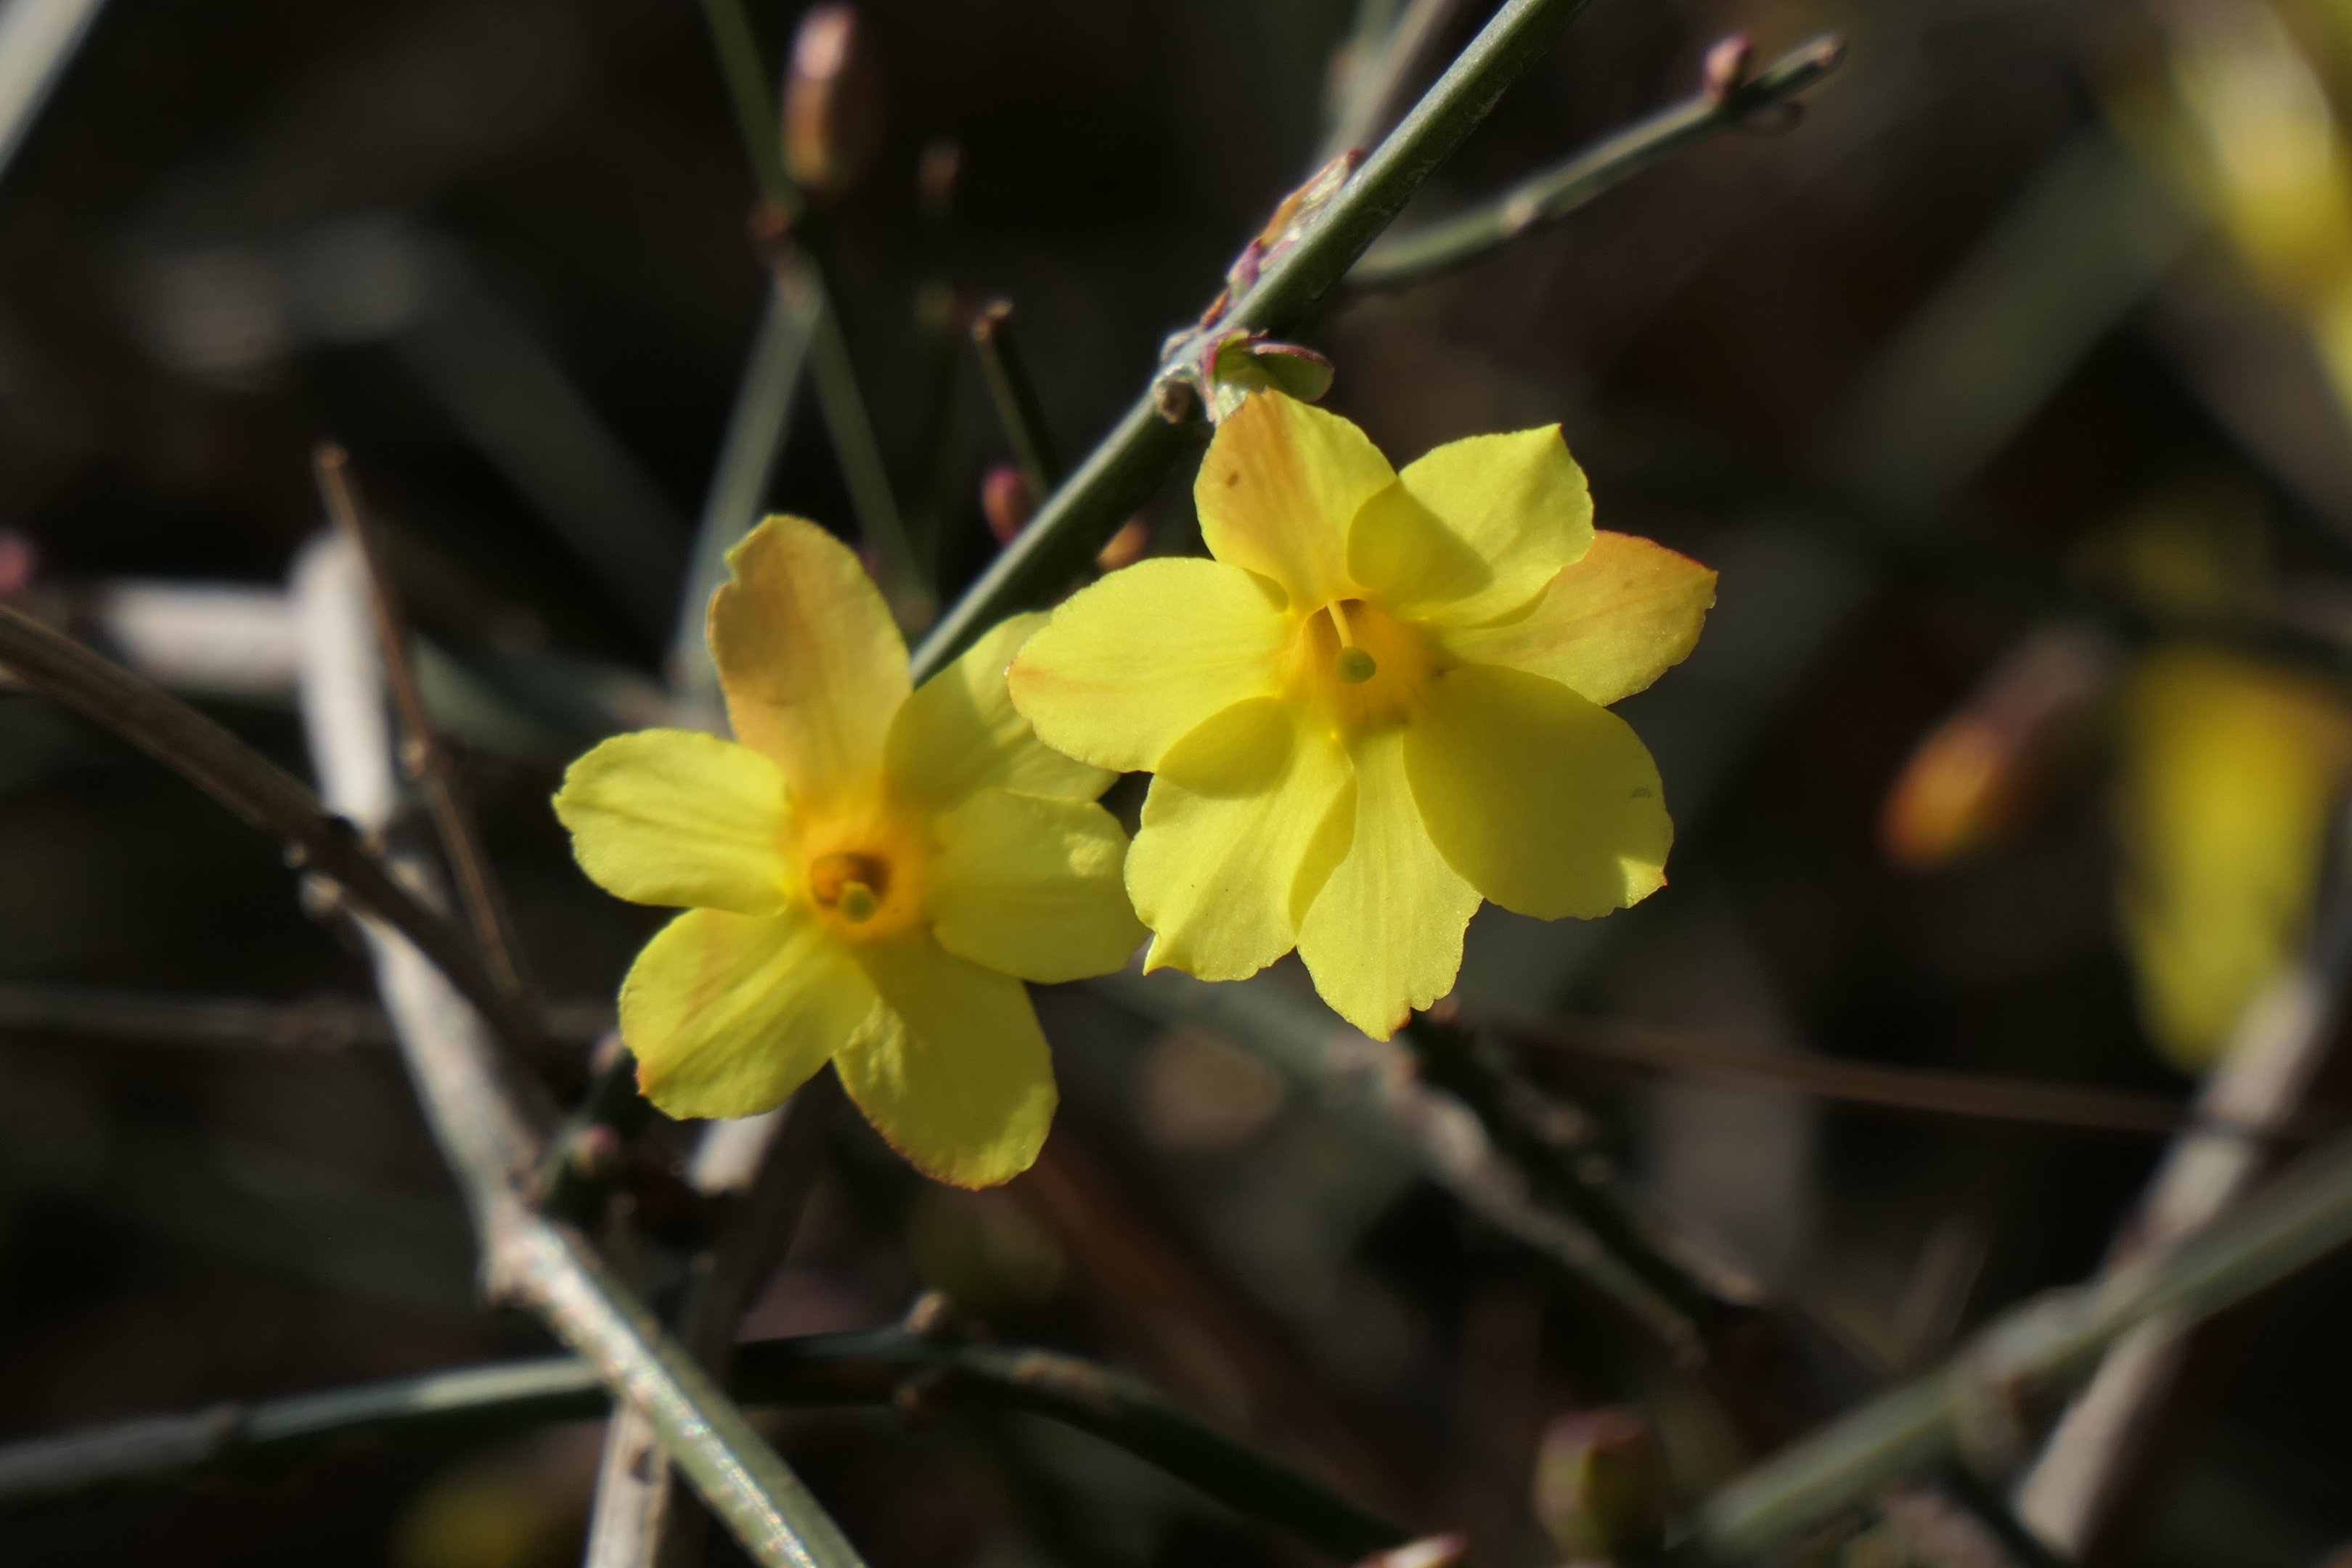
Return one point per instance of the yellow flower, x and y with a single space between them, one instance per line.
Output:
1381 700
2231 772
868 876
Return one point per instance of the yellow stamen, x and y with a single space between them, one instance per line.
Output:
1354 665
850 885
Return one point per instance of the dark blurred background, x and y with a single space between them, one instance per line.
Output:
1893 370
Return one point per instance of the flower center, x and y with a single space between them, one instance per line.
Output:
1352 664
1362 666
852 886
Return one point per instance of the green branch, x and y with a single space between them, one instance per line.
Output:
1015 396
264 794
808 268
1129 465
1399 1112
1419 255
2030 1354
1449 1060
883 1366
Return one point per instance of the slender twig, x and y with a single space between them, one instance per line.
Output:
738 487
2081 1487
423 758
859 453
1014 395
1402 260
1371 1087
940 464
1450 1060
638 1521
261 792
2041 1348
584 1152
748 74
37 44
1377 82
1684 1055
1162 1310
847 417
322 1023
492 1150
1119 476
863 1367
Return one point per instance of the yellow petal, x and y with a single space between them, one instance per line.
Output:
1517 503
958 1079
1607 627
676 817
1384 934
2231 772
959 733
1276 492
727 1015
1133 664
1549 804
1033 886
1228 834
812 665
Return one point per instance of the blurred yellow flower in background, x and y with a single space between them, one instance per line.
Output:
868 876
2230 771
1382 701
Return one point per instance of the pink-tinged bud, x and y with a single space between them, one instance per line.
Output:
1126 547
1600 1484
1726 70
20 561
1430 1552
832 101
1005 501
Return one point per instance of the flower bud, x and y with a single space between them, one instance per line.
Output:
832 102
1430 1552
1975 779
1726 70
20 561
1600 1484
1006 501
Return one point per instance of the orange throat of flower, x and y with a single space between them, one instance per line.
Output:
1360 667
867 879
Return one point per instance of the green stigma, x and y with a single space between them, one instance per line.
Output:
856 903
1356 667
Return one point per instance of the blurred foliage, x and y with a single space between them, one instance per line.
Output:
2062 286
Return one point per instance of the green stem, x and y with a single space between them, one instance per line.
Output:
868 1367
1129 463
264 794
1396 1111
1449 1060
739 488
1419 255
707 1435
1381 68
847 417
746 66
859 453
2039 1350
476 1115
1014 395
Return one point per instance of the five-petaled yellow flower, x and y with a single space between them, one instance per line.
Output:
1381 700
868 877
